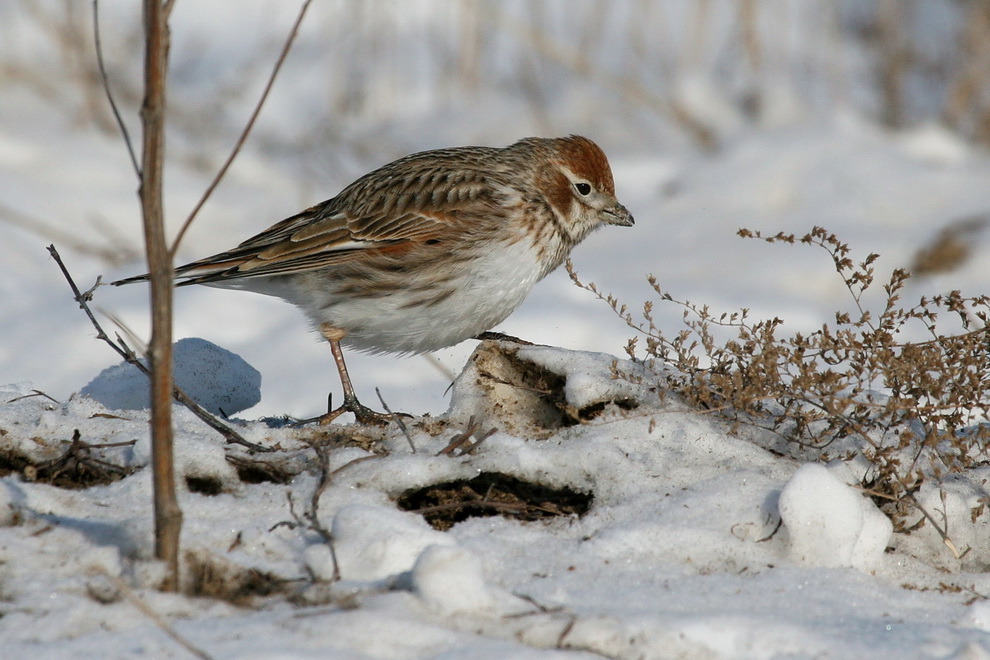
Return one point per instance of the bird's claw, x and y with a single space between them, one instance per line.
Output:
501 336
362 414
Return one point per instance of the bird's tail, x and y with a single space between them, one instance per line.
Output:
131 280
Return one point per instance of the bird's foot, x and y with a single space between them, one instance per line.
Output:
362 414
501 336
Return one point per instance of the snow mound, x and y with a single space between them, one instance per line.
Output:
218 380
449 580
831 524
375 543
531 391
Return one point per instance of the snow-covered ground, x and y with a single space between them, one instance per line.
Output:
697 543
677 555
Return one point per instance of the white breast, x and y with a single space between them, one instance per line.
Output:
485 290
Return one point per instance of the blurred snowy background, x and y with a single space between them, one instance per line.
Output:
869 118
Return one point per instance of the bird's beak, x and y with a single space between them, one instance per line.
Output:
618 215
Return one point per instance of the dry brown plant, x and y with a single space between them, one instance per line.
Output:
905 387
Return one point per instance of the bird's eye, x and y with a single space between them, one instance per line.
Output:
583 188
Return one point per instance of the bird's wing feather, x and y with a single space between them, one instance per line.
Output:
389 214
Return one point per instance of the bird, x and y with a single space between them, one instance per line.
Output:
427 251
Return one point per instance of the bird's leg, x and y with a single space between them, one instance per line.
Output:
362 413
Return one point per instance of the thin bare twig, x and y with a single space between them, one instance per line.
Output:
247 128
78 465
106 88
397 418
360 459
481 503
435 362
462 440
941 530
311 517
155 617
33 394
106 247
125 352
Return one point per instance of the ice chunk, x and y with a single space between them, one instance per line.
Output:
220 381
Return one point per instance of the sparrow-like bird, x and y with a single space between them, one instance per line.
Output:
427 251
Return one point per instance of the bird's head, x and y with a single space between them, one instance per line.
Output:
576 180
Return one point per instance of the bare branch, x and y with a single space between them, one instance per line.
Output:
155 617
397 418
106 88
168 515
244 134
312 515
102 247
125 352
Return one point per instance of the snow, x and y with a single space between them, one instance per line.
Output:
831 524
449 581
365 553
700 540
679 553
213 377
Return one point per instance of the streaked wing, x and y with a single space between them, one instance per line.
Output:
411 201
